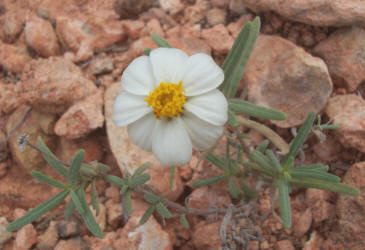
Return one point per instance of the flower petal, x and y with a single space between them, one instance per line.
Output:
202 134
211 107
201 74
167 64
141 131
129 108
170 142
138 77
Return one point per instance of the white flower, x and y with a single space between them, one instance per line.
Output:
171 104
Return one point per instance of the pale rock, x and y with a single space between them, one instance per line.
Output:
13 58
234 28
191 45
54 84
206 236
218 39
67 228
237 7
101 217
114 213
329 150
196 13
302 224
40 36
347 111
81 118
71 244
133 28
312 195
100 65
171 6
50 10
25 238
48 240
220 3
322 210
343 53
160 15
207 197
280 75
4 235
13 24
314 12
8 98
284 245
129 156
314 242
153 27
216 16
113 193
264 245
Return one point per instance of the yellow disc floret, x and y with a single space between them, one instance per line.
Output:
167 100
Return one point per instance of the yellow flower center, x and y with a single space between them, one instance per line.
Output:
167 100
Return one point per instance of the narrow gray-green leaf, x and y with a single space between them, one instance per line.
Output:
232 119
50 158
247 189
37 212
124 189
94 198
162 210
216 161
160 42
262 160
142 168
315 167
69 210
151 198
46 179
127 203
274 160
147 51
77 202
263 145
235 63
147 215
139 180
184 222
331 186
75 164
210 180
115 180
88 218
284 199
247 108
330 127
303 173
302 135
233 189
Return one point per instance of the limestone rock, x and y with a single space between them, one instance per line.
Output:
131 8
314 12
40 36
13 24
71 244
348 112
218 39
25 238
280 75
8 98
13 58
48 240
314 242
216 16
206 235
68 228
343 52
54 84
4 235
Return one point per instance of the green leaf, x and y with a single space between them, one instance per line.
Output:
102 167
147 215
77 202
302 135
331 186
210 180
69 210
142 168
236 60
303 173
233 189
46 179
127 203
124 189
151 198
160 42
247 108
50 158
247 189
75 164
37 212
139 180
88 218
263 145
232 119
147 51
284 199
184 222
315 167
172 175
94 198
115 180
262 160
216 161
274 160
162 210
331 126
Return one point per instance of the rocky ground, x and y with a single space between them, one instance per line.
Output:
61 62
